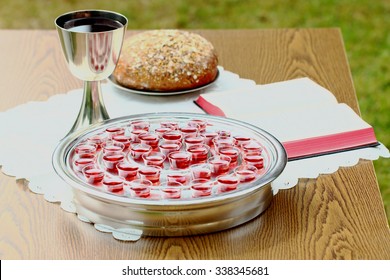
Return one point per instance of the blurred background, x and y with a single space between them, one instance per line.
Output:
365 25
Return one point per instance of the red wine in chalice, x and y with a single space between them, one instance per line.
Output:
92 24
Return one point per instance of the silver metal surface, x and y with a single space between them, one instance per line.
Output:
173 217
91 57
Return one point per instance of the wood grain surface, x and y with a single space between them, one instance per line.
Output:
337 216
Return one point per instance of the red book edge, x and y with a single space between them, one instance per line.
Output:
313 146
208 107
327 144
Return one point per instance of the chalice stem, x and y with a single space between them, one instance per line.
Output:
92 108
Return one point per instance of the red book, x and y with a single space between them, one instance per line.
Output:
305 117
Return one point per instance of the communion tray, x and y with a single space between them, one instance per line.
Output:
170 174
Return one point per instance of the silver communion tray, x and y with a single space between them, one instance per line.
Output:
163 208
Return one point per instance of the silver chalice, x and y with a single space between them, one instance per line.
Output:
91 41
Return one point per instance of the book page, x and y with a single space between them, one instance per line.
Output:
310 122
271 99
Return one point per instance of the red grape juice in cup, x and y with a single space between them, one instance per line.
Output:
115 130
209 136
83 160
199 153
137 150
254 159
221 142
121 138
201 171
193 141
189 131
240 140
220 165
179 160
113 147
201 187
97 140
201 125
227 183
170 124
128 171
151 173
171 190
224 133
135 133
246 173
172 136
161 130
111 159
154 159
85 149
252 147
139 188
93 174
150 139
113 184
231 152
181 176
139 125
166 148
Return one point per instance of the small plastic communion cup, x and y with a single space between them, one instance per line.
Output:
193 141
113 147
171 190
139 188
150 139
189 131
154 159
181 176
83 160
115 130
85 149
201 187
199 153
172 136
227 183
252 147
201 171
246 173
127 171
254 159
113 183
93 174
111 159
231 152
121 138
139 125
220 164
151 173
201 125
137 150
167 148
179 160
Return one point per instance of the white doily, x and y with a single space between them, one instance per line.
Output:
30 132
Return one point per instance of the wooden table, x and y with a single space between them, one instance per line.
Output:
338 216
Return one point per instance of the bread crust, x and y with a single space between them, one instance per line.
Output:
166 60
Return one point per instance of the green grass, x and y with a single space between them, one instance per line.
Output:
365 25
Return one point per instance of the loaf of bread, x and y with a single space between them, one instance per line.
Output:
166 61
